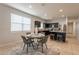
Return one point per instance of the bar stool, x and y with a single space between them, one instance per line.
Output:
59 37
52 36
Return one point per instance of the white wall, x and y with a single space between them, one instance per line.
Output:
6 36
73 28
77 28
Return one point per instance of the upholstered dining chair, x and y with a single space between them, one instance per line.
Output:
28 33
42 42
27 42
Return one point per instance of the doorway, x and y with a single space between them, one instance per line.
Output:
70 29
77 30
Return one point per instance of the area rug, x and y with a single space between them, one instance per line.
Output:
31 51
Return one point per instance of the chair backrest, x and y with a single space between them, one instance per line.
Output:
44 39
28 33
24 39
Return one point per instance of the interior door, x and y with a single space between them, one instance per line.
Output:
70 28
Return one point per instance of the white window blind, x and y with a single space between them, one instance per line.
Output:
20 23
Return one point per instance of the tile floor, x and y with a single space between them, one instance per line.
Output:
70 47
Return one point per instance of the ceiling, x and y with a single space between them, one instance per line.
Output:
48 10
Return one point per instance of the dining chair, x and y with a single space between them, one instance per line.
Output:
28 33
27 42
52 36
43 42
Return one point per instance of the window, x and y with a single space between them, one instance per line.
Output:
20 23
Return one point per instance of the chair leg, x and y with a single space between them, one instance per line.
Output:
23 46
27 48
37 46
33 46
42 48
29 45
46 45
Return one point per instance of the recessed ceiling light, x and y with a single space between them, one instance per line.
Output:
30 6
62 15
60 10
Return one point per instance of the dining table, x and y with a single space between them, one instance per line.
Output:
35 37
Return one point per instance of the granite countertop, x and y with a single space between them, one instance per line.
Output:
58 31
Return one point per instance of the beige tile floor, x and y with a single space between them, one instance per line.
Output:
70 47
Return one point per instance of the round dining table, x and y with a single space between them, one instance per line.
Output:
35 37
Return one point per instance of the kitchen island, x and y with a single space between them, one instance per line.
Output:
58 35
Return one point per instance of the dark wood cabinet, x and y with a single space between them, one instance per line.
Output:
49 25
37 24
